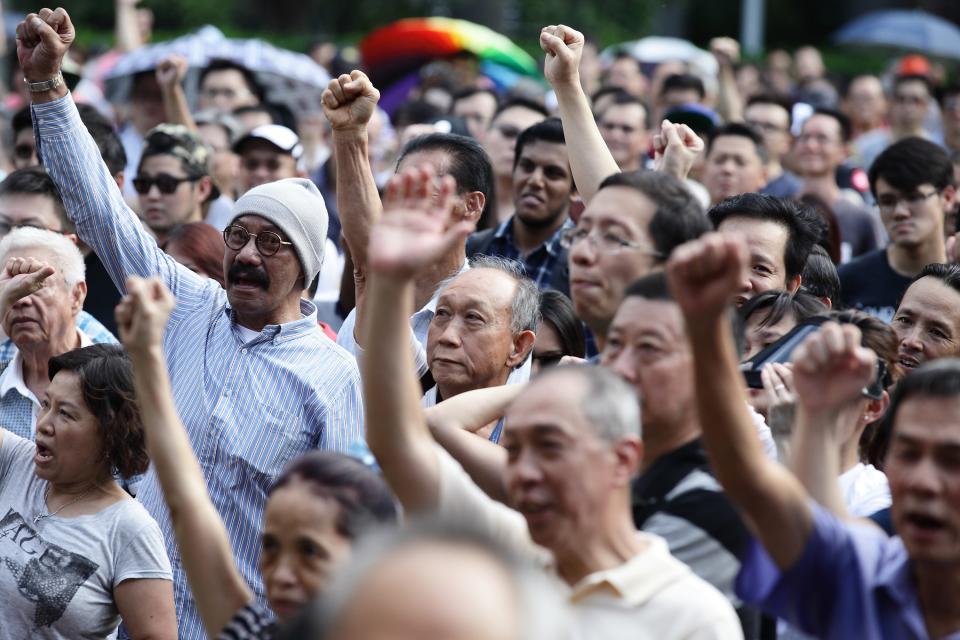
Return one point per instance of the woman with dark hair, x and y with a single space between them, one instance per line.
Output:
316 508
80 553
771 315
560 333
199 247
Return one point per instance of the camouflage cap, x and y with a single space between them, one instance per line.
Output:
179 141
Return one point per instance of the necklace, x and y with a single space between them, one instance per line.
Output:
40 516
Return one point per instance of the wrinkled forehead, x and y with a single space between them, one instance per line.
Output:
488 288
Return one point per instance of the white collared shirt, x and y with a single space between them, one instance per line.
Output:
12 379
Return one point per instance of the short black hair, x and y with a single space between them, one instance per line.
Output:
911 162
623 98
801 305
469 92
279 113
363 497
683 82
35 181
103 133
221 64
549 130
678 218
557 309
741 130
781 101
106 384
820 277
21 120
846 128
523 103
653 286
417 111
469 165
804 227
948 274
912 77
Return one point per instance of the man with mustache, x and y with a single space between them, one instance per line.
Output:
255 381
543 189
913 184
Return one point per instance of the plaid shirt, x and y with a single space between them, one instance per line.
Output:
540 263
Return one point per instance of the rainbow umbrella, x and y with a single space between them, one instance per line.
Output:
394 51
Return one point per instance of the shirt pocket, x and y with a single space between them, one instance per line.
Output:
265 441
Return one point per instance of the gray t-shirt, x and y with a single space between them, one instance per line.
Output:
57 576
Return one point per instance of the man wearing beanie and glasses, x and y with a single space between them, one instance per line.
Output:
255 381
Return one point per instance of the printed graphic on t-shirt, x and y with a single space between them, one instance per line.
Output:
46 574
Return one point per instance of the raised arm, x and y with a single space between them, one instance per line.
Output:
349 102
704 277
126 27
91 196
452 423
218 588
831 370
590 159
729 100
413 233
170 74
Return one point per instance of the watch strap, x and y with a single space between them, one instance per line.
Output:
46 85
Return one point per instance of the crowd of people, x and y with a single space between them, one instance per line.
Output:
653 353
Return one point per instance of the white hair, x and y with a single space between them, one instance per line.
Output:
67 259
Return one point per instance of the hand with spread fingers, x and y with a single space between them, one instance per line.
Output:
20 278
42 40
831 369
676 148
563 46
705 274
349 101
143 314
419 224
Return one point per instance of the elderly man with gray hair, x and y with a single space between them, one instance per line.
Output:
41 325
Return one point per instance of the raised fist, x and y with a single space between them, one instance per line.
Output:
20 278
171 71
42 41
349 101
676 148
831 368
706 274
564 47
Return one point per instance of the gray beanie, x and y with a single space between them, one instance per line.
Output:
297 208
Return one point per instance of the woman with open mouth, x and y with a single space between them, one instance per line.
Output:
79 554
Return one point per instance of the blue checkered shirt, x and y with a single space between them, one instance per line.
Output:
540 263
97 333
17 411
249 406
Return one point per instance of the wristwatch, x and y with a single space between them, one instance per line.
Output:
46 85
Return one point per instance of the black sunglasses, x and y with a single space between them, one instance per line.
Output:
167 184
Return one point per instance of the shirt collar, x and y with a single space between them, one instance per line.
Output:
12 377
638 579
553 244
282 332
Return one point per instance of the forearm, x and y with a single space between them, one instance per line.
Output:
473 410
729 101
91 196
176 109
815 458
127 31
201 535
590 160
483 460
358 199
397 432
772 500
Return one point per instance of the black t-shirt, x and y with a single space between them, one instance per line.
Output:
869 283
102 295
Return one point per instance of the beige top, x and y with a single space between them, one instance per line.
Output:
653 596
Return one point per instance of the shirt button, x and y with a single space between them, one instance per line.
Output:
244 350
226 393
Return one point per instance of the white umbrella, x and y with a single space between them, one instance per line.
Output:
291 78
658 49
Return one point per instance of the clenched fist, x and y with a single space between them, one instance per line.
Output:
42 41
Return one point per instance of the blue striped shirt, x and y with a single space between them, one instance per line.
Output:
249 405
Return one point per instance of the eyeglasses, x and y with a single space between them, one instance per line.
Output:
889 202
766 127
267 242
167 184
605 241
